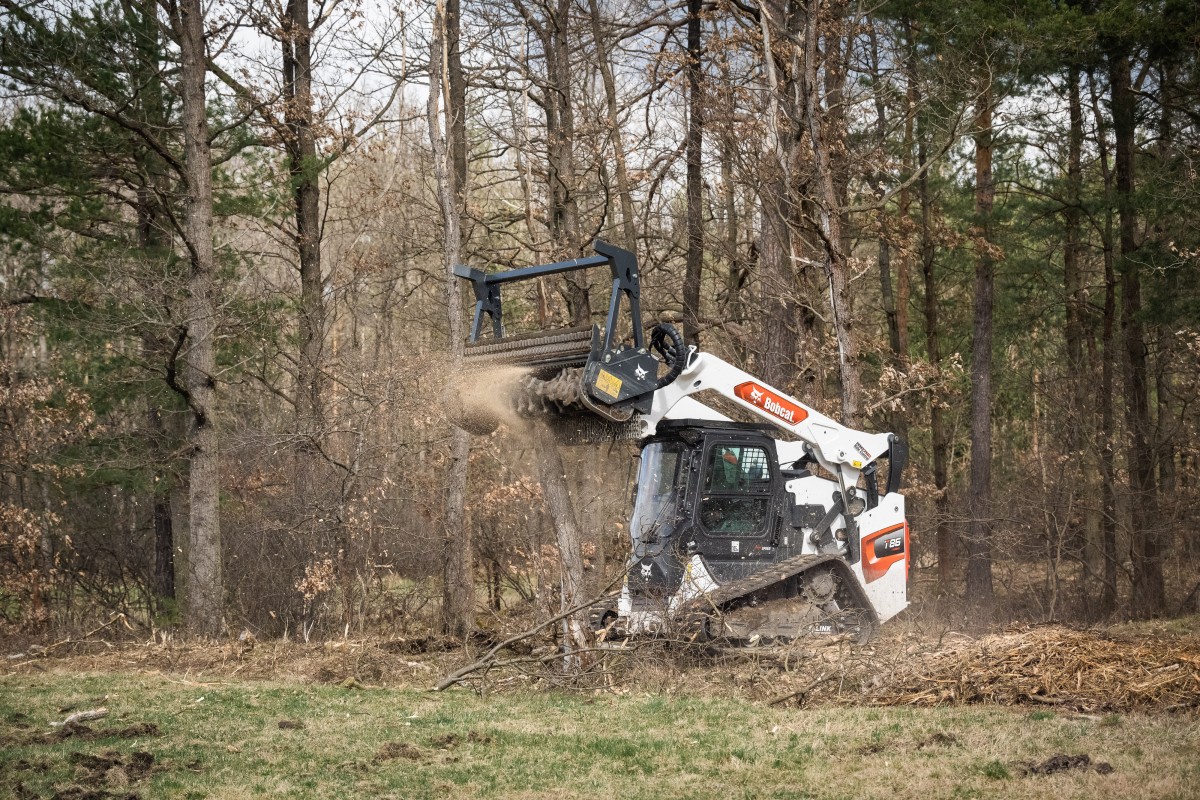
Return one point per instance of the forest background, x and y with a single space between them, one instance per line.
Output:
226 230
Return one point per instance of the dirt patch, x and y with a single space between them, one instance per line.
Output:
138 729
135 766
447 742
85 733
393 750
938 739
108 774
475 737
1063 763
291 725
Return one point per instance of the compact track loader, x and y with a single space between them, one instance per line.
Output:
773 530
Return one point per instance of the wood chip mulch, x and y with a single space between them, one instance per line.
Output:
1048 665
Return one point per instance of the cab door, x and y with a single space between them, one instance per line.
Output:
735 517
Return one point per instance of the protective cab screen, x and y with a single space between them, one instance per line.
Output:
737 491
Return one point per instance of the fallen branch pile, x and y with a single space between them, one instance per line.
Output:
1050 665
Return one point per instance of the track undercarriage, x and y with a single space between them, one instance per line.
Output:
815 602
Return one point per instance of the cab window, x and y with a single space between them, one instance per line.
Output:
736 498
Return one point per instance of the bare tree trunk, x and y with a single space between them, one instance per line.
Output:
1081 468
164 533
155 245
1149 595
1107 420
205 589
456 102
1072 282
553 475
979 546
894 302
553 32
939 436
830 213
624 190
693 154
904 259
301 148
739 270
458 586
554 35
778 347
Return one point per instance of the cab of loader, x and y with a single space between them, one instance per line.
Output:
708 488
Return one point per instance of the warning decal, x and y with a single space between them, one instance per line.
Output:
609 384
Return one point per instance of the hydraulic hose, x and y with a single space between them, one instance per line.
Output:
668 343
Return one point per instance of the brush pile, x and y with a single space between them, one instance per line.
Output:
1046 665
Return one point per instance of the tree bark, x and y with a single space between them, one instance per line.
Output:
1149 595
979 527
1074 300
738 272
458 585
303 168
779 345
780 309
553 32
205 588
823 131
624 189
154 244
553 475
694 186
1107 415
939 434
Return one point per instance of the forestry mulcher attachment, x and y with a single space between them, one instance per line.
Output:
748 532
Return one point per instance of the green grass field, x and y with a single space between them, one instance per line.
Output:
224 739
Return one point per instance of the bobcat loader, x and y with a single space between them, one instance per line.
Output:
785 527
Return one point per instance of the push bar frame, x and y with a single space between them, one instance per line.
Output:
626 281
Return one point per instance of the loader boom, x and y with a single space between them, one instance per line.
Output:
842 451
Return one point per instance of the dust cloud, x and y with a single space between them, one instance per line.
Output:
481 399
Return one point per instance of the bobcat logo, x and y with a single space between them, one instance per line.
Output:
755 395
640 373
646 568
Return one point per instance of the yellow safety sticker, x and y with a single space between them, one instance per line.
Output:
609 384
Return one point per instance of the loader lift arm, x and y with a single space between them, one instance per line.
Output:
844 452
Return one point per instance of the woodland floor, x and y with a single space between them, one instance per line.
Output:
1045 711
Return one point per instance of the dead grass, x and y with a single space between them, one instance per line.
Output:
222 738
1155 668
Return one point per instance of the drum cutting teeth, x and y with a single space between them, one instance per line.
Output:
557 395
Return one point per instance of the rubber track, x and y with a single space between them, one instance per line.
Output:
765 578
788 568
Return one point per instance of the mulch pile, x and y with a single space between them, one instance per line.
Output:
1047 665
